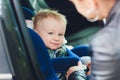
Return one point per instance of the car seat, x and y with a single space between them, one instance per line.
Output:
47 65
42 56
28 13
81 50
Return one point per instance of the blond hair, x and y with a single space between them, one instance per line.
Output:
44 13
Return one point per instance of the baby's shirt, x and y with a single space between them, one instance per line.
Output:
60 52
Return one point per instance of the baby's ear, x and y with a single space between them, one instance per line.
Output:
64 41
68 46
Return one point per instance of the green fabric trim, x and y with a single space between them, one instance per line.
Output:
83 37
60 52
38 4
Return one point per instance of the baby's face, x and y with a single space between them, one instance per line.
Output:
52 32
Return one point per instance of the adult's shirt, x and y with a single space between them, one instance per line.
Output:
106 48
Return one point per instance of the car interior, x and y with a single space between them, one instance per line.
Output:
23 54
79 30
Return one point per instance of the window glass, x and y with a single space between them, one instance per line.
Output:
16 45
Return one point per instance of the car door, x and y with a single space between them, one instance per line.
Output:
17 58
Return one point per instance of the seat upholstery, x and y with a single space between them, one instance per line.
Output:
63 64
28 13
50 66
42 56
81 50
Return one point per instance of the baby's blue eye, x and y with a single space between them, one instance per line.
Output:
50 33
60 34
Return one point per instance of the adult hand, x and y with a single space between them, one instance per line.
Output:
74 68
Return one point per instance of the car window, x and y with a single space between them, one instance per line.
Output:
15 43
